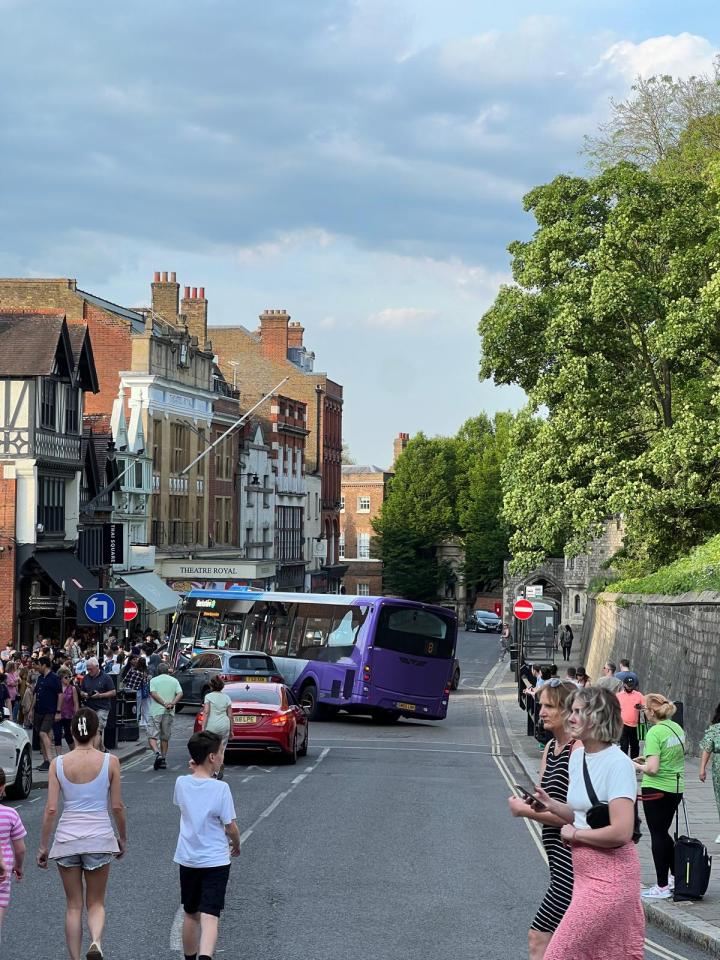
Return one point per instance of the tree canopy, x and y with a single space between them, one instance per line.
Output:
612 330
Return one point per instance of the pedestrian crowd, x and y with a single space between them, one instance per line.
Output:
587 802
65 693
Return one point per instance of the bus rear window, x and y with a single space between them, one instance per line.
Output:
415 632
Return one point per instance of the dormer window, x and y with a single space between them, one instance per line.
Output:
48 404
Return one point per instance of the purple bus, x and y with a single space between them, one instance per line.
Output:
381 656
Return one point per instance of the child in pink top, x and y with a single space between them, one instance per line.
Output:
12 849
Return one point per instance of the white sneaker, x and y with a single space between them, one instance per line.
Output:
656 893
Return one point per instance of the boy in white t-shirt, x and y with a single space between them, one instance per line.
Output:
207 823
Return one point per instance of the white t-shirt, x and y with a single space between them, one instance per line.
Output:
612 775
218 720
206 808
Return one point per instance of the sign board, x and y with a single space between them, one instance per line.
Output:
201 570
101 608
534 590
112 543
523 609
130 610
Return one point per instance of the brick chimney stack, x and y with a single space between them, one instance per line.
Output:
274 334
295 335
399 444
194 307
165 296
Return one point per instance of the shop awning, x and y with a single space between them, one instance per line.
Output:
151 588
64 567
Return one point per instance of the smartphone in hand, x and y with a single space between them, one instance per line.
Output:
529 798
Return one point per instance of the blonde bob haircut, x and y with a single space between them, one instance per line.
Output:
559 696
600 710
659 706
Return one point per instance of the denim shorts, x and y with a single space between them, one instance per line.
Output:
88 861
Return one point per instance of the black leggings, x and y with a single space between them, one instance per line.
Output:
660 810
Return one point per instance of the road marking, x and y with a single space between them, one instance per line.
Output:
176 928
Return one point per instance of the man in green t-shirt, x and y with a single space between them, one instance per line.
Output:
165 692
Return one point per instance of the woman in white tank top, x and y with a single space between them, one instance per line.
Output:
89 783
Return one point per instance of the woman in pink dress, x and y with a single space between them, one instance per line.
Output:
605 917
85 844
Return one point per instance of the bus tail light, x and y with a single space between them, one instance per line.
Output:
447 689
366 673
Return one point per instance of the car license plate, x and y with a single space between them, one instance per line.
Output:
245 719
255 679
405 706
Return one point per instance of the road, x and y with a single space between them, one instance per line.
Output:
386 842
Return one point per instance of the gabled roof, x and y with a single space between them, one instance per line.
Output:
136 318
83 357
31 343
351 468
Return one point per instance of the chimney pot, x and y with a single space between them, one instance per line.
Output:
186 295
201 293
173 277
163 276
194 293
156 278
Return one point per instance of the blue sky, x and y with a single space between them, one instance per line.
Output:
360 163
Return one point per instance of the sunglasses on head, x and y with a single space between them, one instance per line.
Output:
555 682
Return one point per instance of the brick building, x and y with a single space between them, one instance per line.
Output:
363 493
258 361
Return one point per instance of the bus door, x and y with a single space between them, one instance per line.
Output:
413 651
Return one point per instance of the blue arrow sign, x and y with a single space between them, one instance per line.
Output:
99 608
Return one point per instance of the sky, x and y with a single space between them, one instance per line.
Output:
359 163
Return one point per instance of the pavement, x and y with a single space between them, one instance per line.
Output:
123 751
693 922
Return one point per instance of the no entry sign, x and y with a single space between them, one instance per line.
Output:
130 610
523 609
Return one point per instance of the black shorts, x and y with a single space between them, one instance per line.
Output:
202 889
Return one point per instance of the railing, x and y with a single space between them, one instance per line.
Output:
200 486
156 483
178 484
157 533
181 533
57 446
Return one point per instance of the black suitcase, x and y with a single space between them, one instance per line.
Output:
692 864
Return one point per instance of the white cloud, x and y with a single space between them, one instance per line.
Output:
400 318
683 55
289 241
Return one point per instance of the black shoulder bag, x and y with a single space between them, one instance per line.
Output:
598 816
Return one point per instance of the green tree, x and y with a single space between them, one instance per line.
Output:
420 509
612 330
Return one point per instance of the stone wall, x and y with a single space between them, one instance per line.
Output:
672 644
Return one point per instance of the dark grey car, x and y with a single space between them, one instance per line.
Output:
194 675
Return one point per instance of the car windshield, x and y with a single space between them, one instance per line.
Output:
486 615
249 663
254 694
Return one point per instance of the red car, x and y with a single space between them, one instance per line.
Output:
265 716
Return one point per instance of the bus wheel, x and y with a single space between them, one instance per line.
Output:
309 701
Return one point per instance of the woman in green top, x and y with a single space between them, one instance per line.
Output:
217 714
663 782
710 746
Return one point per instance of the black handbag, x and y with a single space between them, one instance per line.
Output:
598 816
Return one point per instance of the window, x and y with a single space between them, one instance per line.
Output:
363 589
157 445
342 504
139 474
48 404
414 632
577 603
71 411
180 452
363 505
363 546
51 504
223 519
341 547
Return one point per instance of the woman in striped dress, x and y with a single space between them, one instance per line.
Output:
554 710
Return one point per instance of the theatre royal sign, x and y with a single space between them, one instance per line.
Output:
214 570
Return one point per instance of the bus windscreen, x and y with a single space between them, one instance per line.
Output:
418 633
